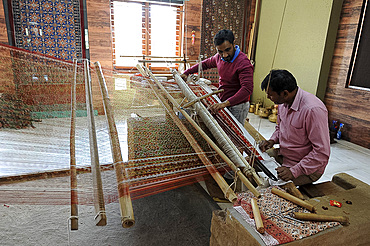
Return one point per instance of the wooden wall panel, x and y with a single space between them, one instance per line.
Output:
249 15
3 32
100 36
6 72
348 106
193 18
100 42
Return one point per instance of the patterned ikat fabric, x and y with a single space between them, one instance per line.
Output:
277 214
159 136
218 15
48 27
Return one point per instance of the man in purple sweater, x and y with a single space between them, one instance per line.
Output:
236 75
302 129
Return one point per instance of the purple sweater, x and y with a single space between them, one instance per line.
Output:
236 78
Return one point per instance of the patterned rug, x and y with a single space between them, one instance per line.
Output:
278 219
48 27
161 147
159 136
218 15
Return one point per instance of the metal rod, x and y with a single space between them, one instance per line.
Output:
161 61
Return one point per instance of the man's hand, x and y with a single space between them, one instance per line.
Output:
266 144
214 108
284 173
184 77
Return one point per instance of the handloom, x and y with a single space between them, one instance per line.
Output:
228 147
159 161
233 167
240 138
162 146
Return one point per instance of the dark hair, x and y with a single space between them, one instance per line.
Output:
279 80
222 36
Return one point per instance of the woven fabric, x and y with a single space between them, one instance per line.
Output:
218 15
276 213
159 136
14 113
48 27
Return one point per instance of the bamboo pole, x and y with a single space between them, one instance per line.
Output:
293 199
257 216
201 98
228 192
214 146
127 212
252 53
321 217
292 189
72 153
100 217
250 44
219 134
224 157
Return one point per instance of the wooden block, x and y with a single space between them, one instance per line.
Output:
311 190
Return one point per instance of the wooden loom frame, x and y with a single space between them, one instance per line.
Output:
229 194
146 73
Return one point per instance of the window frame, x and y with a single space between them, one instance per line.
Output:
357 44
146 38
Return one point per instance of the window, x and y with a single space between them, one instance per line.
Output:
146 29
127 33
359 73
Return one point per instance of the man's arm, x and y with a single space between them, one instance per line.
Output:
214 108
318 134
206 64
274 139
284 173
266 144
246 83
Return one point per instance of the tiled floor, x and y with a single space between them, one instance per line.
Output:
18 158
345 156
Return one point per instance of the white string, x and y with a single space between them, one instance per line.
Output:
233 183
273 62
68 230
99 213
276 46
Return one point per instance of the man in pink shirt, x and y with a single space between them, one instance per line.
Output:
302 129
236 75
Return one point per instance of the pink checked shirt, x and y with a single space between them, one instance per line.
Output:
303 134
